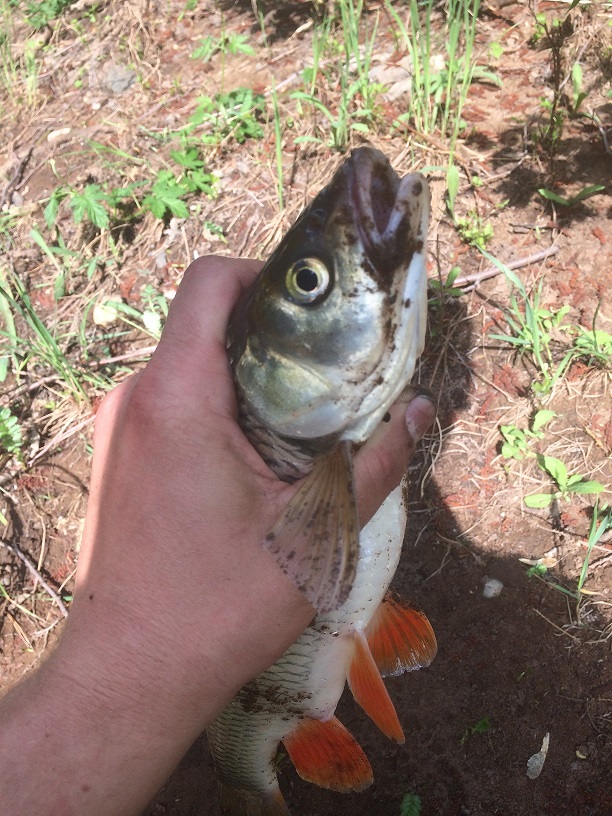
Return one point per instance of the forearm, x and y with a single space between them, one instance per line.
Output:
73 743
95 732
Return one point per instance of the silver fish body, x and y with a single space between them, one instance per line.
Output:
325 343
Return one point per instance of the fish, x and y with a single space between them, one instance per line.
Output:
322 345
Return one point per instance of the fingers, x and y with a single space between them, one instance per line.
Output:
191 355
381 463
207 294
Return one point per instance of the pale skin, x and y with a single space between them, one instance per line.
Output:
176 603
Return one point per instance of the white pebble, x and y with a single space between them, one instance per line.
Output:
492 588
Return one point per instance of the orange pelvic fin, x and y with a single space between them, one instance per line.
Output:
241 802
369 691
328 755
400 637
316 540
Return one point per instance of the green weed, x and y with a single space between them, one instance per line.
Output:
555 34
11 438
481 727
226 43
516 440
473 230
236 114
105 206
411 805
532 326
42 347
585 193
567 485
278 150
40 14
601 522
445 289
442 69
595 346
357 105
167 194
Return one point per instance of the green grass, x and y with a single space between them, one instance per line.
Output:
545 338
347 54
600 524
443 64
33 348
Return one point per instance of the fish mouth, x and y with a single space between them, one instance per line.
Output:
383 205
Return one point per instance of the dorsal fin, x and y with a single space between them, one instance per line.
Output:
316 540
369 691
400 637
328 755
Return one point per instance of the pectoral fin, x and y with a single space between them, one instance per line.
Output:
400 637
326 754
369 691
316 540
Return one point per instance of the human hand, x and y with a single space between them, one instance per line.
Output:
176 604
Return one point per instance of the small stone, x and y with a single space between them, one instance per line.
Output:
492 588
118 79
536 762
58 135
105 311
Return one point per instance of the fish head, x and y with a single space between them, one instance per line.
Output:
329 335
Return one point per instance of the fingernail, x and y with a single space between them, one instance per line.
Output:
420 415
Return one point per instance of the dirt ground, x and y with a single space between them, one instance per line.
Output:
510 669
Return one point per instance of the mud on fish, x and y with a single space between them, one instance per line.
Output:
321 347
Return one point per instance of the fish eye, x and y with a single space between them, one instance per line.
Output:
307 280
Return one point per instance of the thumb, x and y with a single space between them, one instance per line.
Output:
382 461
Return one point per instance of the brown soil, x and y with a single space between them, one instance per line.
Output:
510 669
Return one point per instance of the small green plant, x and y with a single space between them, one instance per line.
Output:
411 805
481 727
227 43
532 326
236 114
567 485
578 94
11 438
41 14
594 345
473 230
167 194
445 288
278 150
554 35
165 197
90 202
516 440
601 522
585 193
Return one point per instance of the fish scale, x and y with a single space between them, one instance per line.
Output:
321 347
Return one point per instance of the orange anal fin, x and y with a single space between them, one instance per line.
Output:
400 637
241 802
369 691
326 754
